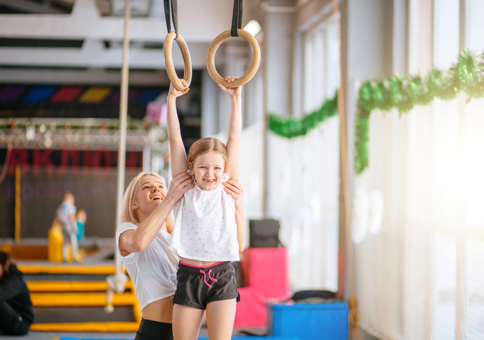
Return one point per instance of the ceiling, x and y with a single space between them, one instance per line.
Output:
36 6
88 34
139 8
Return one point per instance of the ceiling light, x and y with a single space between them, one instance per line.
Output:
253 27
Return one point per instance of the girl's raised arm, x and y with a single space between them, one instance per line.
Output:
234 129
178 156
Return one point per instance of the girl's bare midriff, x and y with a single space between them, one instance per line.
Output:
198 263
160 311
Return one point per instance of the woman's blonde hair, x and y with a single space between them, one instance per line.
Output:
128 214
205 145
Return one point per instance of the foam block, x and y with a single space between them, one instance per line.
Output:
265 271
309 321
251 309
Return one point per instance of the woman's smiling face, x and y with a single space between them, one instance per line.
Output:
208 170
150 194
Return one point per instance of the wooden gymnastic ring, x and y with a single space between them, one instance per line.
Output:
254 66
187 62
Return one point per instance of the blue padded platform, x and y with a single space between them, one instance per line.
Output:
308 321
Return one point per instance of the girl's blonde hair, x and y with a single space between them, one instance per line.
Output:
128 214
205 145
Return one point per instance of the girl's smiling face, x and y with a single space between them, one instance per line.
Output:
208 170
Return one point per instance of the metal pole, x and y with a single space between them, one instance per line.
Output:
123 122
18 187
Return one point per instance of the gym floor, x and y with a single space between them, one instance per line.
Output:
52 335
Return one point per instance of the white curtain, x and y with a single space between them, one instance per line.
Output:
422 275
303 187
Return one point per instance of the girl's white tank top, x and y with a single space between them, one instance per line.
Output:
205 227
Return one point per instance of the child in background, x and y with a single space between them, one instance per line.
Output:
65 216
80 222
209 226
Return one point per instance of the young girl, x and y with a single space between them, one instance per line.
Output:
208 229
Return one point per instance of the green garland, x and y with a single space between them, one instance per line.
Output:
293 127
403 93
399 92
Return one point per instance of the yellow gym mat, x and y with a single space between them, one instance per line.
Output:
80 299
68 269
71 286
114 327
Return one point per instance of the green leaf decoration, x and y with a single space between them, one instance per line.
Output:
400 95
399 92
292 127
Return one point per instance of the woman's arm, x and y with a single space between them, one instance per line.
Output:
178 156
136 240
236 190
234 129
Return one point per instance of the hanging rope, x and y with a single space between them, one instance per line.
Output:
123 120
116 282
236 18
5 164
171 13
355 331
18 201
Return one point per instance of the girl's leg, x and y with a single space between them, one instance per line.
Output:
220 319
186 322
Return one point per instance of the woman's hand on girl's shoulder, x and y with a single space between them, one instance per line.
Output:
236 190
234 92
174 92
179 185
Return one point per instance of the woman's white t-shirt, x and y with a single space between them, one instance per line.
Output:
153 271
205 227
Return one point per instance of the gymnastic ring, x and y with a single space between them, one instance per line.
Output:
254 66
187 62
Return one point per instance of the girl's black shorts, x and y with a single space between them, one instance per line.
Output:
198 286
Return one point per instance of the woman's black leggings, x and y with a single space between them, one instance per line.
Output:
10 322
154 330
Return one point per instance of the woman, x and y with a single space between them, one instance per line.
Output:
16 312
144 244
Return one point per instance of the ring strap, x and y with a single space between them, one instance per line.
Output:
171 12
236 18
